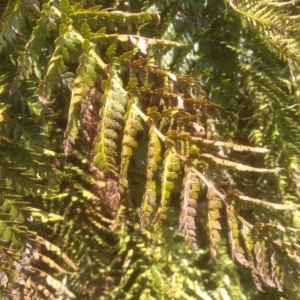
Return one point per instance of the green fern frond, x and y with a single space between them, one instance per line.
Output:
187 88
28 59
114 102
55 67
171 167
132 126
213 223
12 22
272 22
260 14
85 77
149 199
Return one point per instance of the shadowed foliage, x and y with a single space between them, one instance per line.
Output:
149 149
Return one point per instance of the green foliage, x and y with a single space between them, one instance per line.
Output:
149 150
114 100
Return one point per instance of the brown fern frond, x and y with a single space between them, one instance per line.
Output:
189 195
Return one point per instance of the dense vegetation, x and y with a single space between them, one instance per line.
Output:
149 149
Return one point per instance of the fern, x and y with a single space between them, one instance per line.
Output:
132 127
13 21
213 222
171 167
112 112
149 199
179 115
86 76
189 208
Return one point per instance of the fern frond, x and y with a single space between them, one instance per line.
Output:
52 264
171 167
85 77
280 228
28 59
187 225
12 22
237 252
51 247
240 148
249 246
55 67
213 222
132 126
228 84
149 199
53 283
262 263
114 102
238 166
253 201
272 23
260 14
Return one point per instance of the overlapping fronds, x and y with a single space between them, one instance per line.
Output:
12 20
140 139
29 58
274 23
